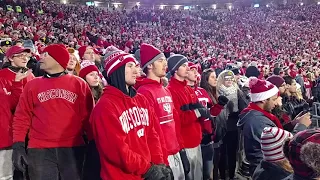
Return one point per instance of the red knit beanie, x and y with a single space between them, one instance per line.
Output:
116 62
86 68
59 53
149 54
82 50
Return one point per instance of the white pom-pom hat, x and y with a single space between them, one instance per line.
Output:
261 90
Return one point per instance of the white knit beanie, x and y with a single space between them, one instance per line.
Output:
272 140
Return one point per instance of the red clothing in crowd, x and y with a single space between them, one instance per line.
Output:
308 86
10 92
9 100
9 75
123 128
55 111
190 130
215 110
161 100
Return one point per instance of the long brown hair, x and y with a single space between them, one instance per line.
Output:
212 91
97 92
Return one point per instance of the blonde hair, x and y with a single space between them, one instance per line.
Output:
221 78
284 164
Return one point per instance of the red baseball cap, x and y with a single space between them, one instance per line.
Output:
16 50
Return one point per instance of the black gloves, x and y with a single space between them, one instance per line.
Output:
204 112
19 156
185 161
155 172
206 138
222 100
191 106
167 171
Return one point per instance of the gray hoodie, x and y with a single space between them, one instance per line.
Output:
252 124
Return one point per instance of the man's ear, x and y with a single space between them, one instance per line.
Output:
150 66
10 59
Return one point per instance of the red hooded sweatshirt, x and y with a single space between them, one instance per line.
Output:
55 111
123 128
183 94
10 92
161 100
215 110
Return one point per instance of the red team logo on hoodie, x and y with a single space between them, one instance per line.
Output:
134 117
167 108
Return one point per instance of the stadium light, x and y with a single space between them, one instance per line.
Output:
301 4
138 3
214 6
318 3
116 5
267 5
230 7
256 5
177 6
64 2
162 6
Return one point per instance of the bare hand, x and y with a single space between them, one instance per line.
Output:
21 75
304 119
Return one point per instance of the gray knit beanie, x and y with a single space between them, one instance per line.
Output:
175 61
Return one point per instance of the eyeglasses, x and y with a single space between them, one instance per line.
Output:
228 79
22 55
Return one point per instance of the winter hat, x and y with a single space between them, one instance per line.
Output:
252 71
28 44
276 71
192 65
15 50
112 52
59 53
261 90
118 61
303 152
272 140
86 68
83 49
276 80
137 55
175 61
149 54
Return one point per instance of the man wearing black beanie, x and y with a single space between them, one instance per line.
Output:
252 71
190 110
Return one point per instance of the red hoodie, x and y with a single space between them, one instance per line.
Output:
55 111
123 128
215 110
161 100
10 92
190 130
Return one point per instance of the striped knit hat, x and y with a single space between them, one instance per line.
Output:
272 140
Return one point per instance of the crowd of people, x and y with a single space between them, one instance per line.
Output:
158 94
